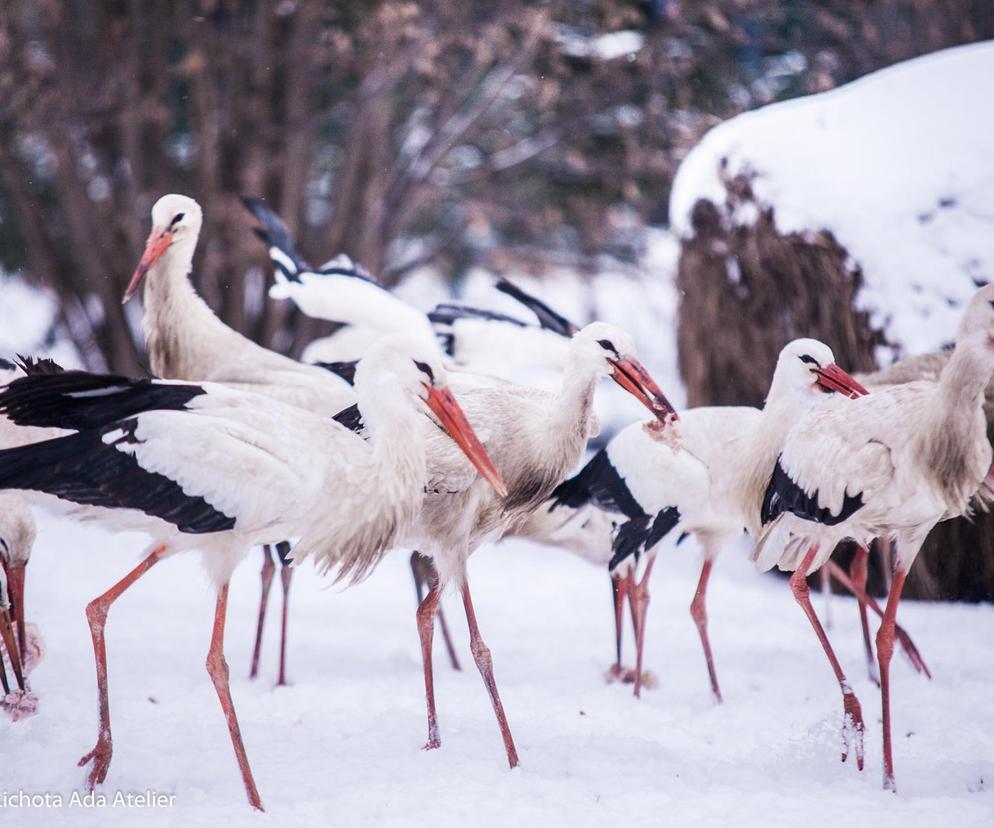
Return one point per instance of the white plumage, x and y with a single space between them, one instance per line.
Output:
894 463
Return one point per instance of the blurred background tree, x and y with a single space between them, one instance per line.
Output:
499 133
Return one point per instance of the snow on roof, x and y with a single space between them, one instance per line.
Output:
898 165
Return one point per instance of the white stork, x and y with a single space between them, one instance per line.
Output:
23 645
535 437
709 487
207 467
891 464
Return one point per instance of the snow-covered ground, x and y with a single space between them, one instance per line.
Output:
898 165
341 746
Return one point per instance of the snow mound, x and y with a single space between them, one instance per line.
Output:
897 165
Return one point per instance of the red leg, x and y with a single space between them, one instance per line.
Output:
484 661
15 573
640 607
886 561
9 639
286 574
907 645
698 612
426 630
96 617
853 713
859 572
620 584
826 595
217 667
268 567
885 649
423 569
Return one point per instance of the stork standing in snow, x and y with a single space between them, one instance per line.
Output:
211 468
535 437
893 464
187 341
710 488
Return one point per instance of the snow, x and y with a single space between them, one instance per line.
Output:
341 745
898 165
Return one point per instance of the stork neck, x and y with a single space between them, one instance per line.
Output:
178 323
576 392
965 378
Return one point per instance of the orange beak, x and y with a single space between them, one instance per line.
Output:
444 405
158 242
631 376
833 378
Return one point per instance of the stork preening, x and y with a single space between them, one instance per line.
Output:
894 464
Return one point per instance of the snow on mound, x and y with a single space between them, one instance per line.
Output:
897 165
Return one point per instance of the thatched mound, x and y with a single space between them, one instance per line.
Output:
745 291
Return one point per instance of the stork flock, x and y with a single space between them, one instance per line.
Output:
401 430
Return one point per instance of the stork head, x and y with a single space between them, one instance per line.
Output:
611 353
806 366
416 365
977 323
176 221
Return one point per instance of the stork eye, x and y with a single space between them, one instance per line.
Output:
425 368
608 345
809 360
177 219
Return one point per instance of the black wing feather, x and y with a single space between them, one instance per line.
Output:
344 369
641 535
784 495
82 468
79 400
598 483
447 313
350 417
274 233
547 317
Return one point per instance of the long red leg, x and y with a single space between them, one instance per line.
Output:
10 643
853 713
286 574
484 661
859 572
423 569
620 584
886 561
217 668
885 650
826 595
268 568
640 607
15 573
96 617
907 645
426 631
698 612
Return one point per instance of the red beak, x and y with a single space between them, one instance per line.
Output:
158 242
833 378
631 376
444 405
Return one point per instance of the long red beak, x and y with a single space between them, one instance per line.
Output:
158 242
833 378
631 376
444 405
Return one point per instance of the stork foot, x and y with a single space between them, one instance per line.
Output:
432 744
100 756
20 704
619 674
852 728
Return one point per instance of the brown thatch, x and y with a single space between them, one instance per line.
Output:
746 290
